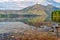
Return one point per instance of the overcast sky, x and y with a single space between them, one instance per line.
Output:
25 3
28 0
38 1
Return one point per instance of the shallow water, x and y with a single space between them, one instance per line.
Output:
13 26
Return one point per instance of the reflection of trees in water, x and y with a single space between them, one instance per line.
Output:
56 19
56 16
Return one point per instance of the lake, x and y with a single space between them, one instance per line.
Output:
14 22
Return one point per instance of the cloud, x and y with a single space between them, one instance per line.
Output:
36 1
15 5
10 0
44 2
58 1
25 3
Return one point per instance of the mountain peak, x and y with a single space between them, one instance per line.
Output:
37 6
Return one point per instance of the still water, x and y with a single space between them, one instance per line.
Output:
25 21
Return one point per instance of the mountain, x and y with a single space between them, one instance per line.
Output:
39 9
12 7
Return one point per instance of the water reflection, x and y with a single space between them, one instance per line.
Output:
15 17
40 20
56 19
35 20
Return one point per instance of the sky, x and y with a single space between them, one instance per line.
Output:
25 3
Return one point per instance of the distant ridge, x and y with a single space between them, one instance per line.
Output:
39 9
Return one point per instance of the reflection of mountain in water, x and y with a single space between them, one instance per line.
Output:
15 17
34 20
30 19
